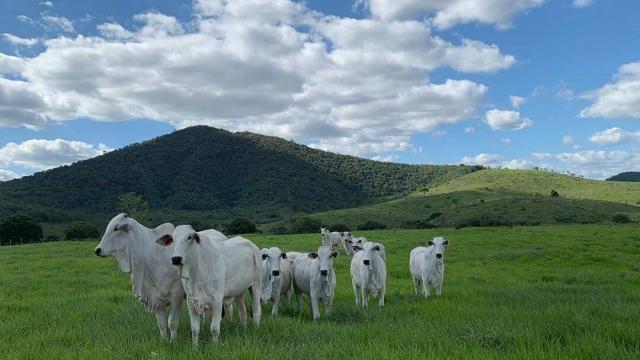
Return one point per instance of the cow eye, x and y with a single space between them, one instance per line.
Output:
115 228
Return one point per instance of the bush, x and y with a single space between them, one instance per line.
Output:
52 238
621 219
554 194
372 225
20 229
81 231
419 224
340 228
240 226
303 224
278 230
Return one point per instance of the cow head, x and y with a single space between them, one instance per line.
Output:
270 269
325 256
369 251
439 243
357 244
187 243
118 239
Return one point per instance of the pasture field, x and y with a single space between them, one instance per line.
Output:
566 291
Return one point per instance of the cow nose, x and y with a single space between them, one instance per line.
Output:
366 262
439 256
98 251
275 272
176 260
323 272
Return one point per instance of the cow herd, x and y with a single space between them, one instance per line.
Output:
213 272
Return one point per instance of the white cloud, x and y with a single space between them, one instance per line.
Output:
39 154
506 141
483 159
567 139
448 13
48 4
58 22
357 86
506 120
614 136
620 99
516 101
10 64
6 175
16 40
581 3
470 130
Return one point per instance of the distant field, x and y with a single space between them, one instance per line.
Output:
541 292
500 197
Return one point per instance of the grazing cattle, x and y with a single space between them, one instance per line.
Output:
356 244
215 273
331 238
427 265
369 273
276 278
313 275
347 240
154 282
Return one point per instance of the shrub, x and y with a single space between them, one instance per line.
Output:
278 230
554 194
339 228
80 231
241 226
372 225
621 218
303 224
419 224
20 229
52 238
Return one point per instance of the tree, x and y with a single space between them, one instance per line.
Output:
621 218
340 228
303 225
20 229
241 226
134 205
372 225
80 231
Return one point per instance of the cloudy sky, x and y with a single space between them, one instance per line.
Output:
516 83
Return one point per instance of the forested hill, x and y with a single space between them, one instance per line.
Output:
203 168
633 176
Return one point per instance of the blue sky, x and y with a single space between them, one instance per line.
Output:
412 81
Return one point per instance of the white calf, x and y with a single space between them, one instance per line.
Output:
313 275
215 273
331 238
427 265
276 278
369 273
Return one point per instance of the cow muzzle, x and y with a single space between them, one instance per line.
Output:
176 260
275 272
366 262
98 251
439 256
324 272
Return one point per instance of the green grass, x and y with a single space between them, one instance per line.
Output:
523 292
507 197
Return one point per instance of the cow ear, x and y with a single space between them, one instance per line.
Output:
430 242
284 255
165 240
126 215
196 237
313 255
124 228
334 253
357 248
446 242
376 248
264 256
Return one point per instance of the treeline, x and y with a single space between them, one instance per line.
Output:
633 176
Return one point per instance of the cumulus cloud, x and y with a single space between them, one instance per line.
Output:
516 101
469 130
357 86
614 136
6 175
448 13
58 22
10 64
48 4
483 159
506 120
16 40
40 154
581 3
619 99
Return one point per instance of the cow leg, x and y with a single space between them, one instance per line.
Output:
439 289
275 300
416 285
356 291
298 300
242 310
256 309
381 300
195 324
228 311
161 320
425 287
216 318
365 296
315 310
287 299
174 318
328 305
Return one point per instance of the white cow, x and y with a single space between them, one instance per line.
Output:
369 273
215 273
427 265
313 275
276 278
347 239
331 238
154 282
292 255
356 244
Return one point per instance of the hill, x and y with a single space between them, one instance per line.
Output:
499 197
202 170
633 176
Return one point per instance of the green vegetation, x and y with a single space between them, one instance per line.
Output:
621 218
372 225
500 198
213 176
544 292
134 205
20 229
240 226
626 176
81 231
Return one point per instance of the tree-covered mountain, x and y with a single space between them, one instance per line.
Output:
205 169
633 176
